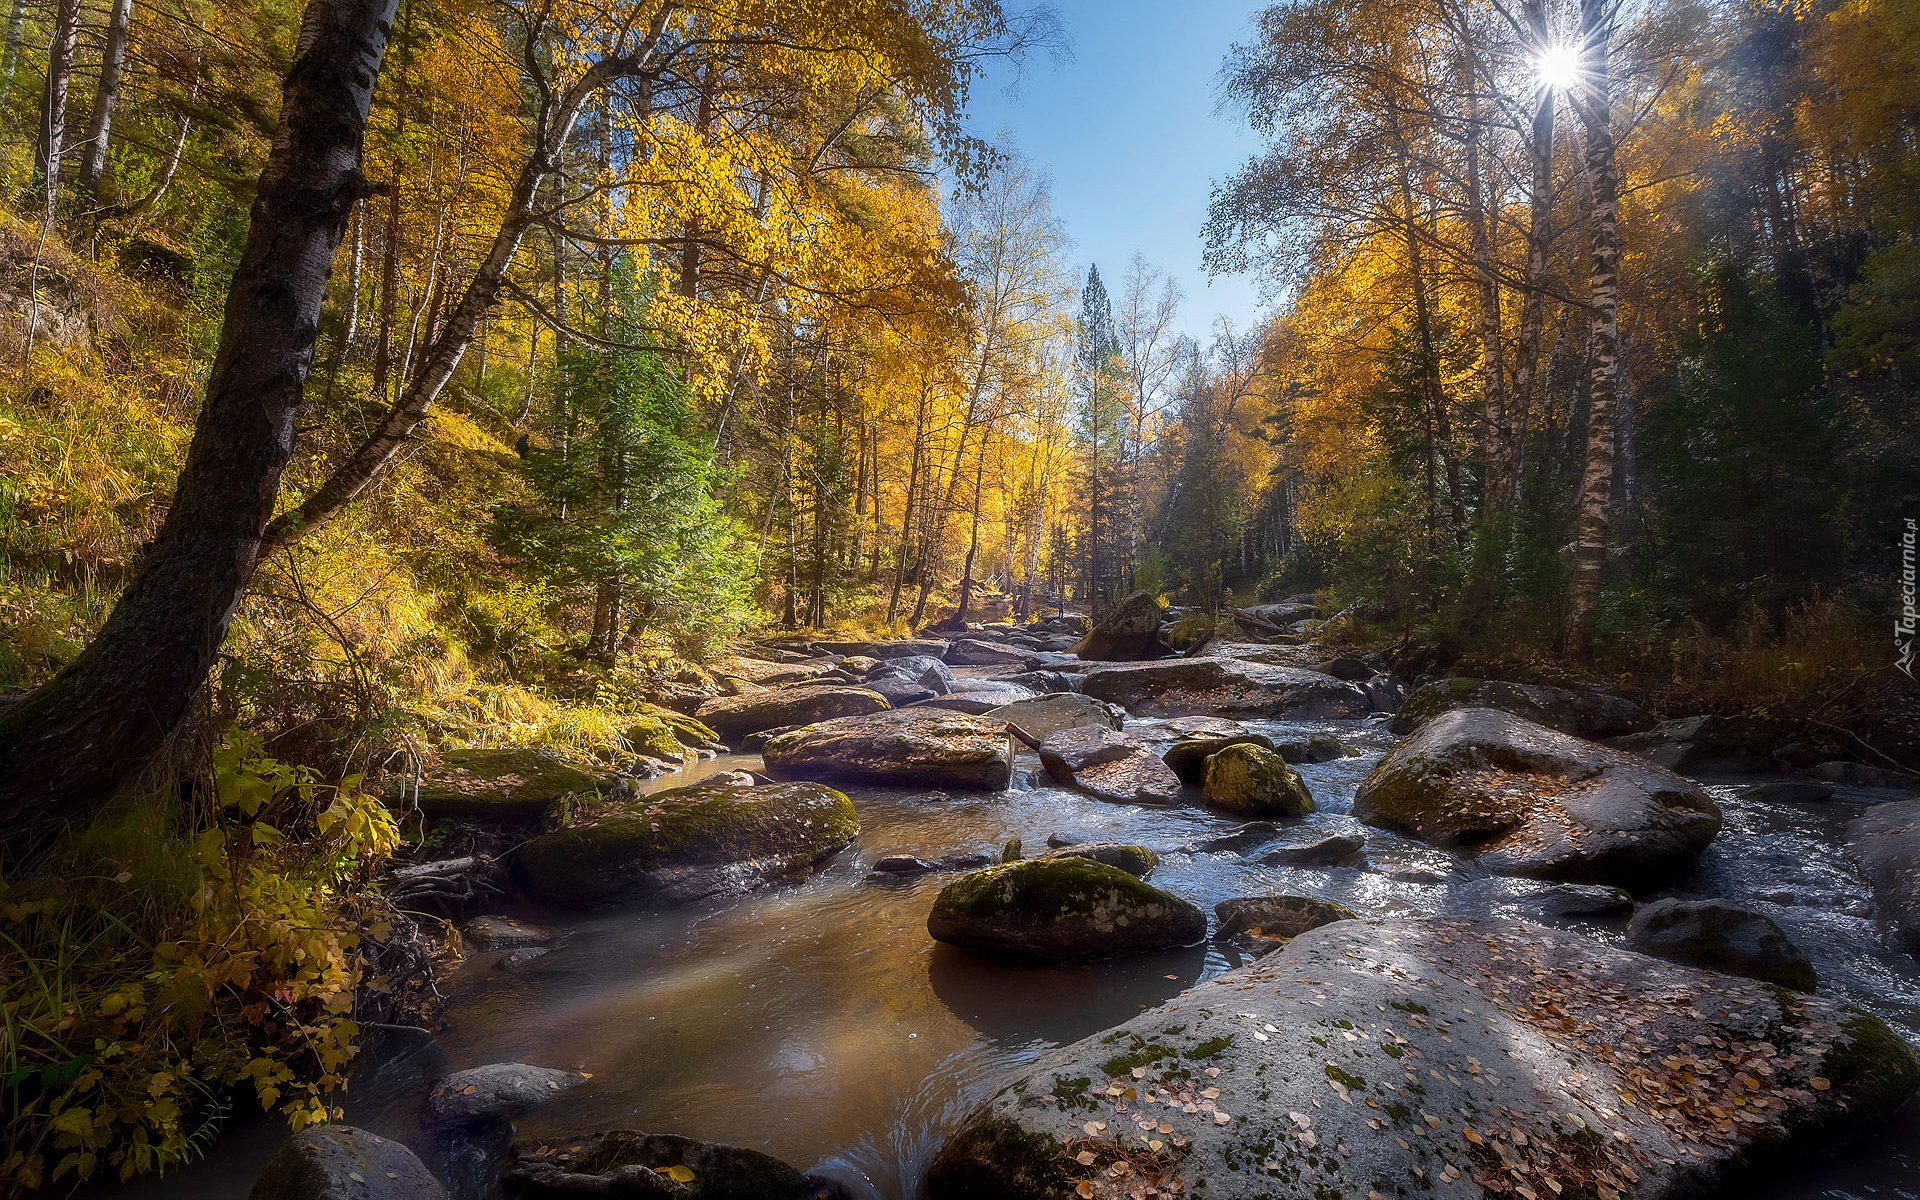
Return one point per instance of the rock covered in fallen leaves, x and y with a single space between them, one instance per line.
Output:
708 839
509 784
914 747
1396 1057
1056 711
734 717
1129 631
1137 861
1245 780
1226 687
1886 842
628 1164
1061 910
1531 801
1276 918
1587 712
340 1162
1720 936
1107 764
488 1097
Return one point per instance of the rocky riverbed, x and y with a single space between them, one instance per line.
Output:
807 1014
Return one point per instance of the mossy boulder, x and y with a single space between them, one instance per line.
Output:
1061 910
1319 748
340 1162
1129 631
1721 936
1388 1055
1200 737
1137 861
656 739
510 784
1588 712
626 1163
1526 800
734 717
1245 780
690 730
713 838
913 747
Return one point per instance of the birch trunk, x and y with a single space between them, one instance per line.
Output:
93 164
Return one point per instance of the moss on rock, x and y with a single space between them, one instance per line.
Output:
1252 781
508 784
1061 909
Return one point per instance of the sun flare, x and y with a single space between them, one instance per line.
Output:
1557 66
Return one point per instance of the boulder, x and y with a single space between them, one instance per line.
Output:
901 865
1527 800
1137 861
768 673
899 690
1276 918
733 717
1127 632
1791 791
1719 936
504 933
915 747
1402 1057
1385 692
712 838
1106 764
1202 737
1061 910
1224 687
1319 748
1044 682
978 652
1052 713
924 669
1587 713
1252 781
1329 851
1350 669
487 1098
1581 900
1885 840
1703 744
513 784
628 1165
340 1162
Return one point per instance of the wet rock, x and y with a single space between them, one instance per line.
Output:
1703 744
1581 900
1386 693
977 652
1137 861
1128 632
1045 682
340 1162
915 747
708 839
1276 918
733 717
1526 800
924 669
1855 774
1106 764
1061 910
512 784
1791 791
1049 714
899 690
1319 748
513 960
1239 838
504 933
1203 737
1224 687
487 1098
1329 851
1885 840
1587 713
971 704
1350 669
1473 1043
900 866
1720 936
1252 781
628 1165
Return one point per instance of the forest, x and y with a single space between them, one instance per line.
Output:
472 467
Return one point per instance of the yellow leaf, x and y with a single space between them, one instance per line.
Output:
679 1173
1084 1188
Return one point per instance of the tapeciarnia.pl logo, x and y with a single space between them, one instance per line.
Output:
1904 624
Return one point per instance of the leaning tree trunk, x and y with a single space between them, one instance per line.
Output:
1596 488
93 164
67 746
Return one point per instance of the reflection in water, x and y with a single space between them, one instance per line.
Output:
819 1023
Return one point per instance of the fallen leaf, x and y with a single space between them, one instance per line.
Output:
680 1173
1139 1072
1221 1118
1820 1083
1095 1128
1084 1187
1213 1072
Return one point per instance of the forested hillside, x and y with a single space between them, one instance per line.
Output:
389 380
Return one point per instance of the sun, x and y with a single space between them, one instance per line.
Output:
1557 67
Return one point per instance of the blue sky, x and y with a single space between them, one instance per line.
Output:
1126 129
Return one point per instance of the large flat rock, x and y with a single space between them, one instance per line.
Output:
1886 842
1425 1058
1526 800
734 717
1184 687
505 783
913 747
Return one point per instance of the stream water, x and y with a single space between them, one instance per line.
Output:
818 1021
